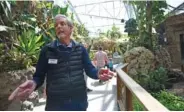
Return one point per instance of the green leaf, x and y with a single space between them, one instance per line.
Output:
55 10
38 38
6 9
5 28
64 10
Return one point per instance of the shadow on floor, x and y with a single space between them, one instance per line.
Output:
100 92
95 98
96 83
106 102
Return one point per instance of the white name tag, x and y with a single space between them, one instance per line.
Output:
53 61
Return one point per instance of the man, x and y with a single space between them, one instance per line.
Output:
62 63
100 59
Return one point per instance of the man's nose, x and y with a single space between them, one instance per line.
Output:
59 26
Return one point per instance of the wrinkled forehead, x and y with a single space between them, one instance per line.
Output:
60 18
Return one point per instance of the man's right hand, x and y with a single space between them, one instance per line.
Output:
23 91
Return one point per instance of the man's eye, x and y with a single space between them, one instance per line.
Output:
62 24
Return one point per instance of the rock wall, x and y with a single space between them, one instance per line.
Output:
162 58
9 81
174 26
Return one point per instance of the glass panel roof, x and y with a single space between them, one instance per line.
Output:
100 15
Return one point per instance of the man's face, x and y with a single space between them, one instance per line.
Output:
86 46
63 31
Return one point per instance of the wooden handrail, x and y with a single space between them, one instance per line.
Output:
127 86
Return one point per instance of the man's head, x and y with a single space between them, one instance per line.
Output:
63 27
85 45
100 48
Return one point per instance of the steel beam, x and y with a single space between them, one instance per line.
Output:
99 16
94 3
73 9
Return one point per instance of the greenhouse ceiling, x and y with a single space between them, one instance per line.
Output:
100 15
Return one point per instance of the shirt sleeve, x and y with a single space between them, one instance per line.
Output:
41 69
90 70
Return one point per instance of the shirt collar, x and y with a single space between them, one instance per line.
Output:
60 44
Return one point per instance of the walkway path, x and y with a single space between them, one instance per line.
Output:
102 98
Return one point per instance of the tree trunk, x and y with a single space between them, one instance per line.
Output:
149 21
89 47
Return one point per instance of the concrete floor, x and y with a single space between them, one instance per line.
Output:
102 98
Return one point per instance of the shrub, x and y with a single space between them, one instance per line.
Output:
157 79
170 101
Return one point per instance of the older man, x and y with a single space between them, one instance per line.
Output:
62 63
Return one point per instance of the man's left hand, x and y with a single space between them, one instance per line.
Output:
105 74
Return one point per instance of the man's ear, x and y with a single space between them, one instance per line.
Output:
72 28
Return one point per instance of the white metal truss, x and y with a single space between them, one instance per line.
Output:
177 10
101 6
104 10
73 10
129 9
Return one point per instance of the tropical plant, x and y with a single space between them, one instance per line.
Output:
29 44
12 60
158 79
148 18
5 24
131 27
137 106
105 43
80 32
169 100
114 33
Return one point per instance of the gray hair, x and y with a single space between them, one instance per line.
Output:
69 22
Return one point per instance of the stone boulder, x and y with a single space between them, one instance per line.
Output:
34 98
175 75
177 89
27 106
162 58
140 60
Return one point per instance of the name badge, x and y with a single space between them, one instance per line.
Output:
53 61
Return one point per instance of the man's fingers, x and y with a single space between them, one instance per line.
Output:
112 73
103 70
106 74
24 85
24 90
105 77
24 93
13 94
106 71
20 94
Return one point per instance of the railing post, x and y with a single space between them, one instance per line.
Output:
118 88
121 98
129 106
125 69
